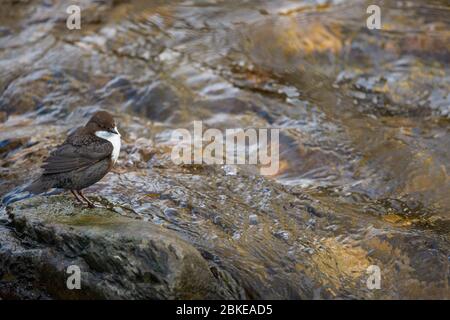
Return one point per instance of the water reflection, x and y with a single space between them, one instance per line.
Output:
364 118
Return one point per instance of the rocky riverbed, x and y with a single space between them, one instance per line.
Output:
364 149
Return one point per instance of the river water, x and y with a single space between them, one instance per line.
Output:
363 115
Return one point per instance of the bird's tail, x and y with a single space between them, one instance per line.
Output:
39 186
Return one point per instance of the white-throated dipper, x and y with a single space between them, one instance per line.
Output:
86 156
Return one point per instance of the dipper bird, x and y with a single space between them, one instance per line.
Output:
86 156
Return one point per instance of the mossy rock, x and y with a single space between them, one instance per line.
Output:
119 257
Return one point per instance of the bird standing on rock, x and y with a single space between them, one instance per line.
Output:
86 156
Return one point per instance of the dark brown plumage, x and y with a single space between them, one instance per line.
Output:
84 158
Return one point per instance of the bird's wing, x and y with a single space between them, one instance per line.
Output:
74 155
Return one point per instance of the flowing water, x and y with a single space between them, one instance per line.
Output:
363 115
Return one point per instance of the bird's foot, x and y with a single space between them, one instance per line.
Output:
92 205
82 199
77 197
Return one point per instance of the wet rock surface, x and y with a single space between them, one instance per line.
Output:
364 144
119 257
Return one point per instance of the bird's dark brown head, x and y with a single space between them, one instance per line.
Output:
101 121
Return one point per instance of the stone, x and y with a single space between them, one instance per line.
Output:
119 257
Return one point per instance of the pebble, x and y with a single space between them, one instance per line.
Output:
282 235
253 219
170 212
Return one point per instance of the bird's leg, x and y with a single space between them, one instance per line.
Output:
89 202
76 196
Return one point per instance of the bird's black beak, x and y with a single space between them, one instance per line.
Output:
113 130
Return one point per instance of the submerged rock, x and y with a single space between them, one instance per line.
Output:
119 257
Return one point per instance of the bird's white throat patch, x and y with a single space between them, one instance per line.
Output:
114 139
